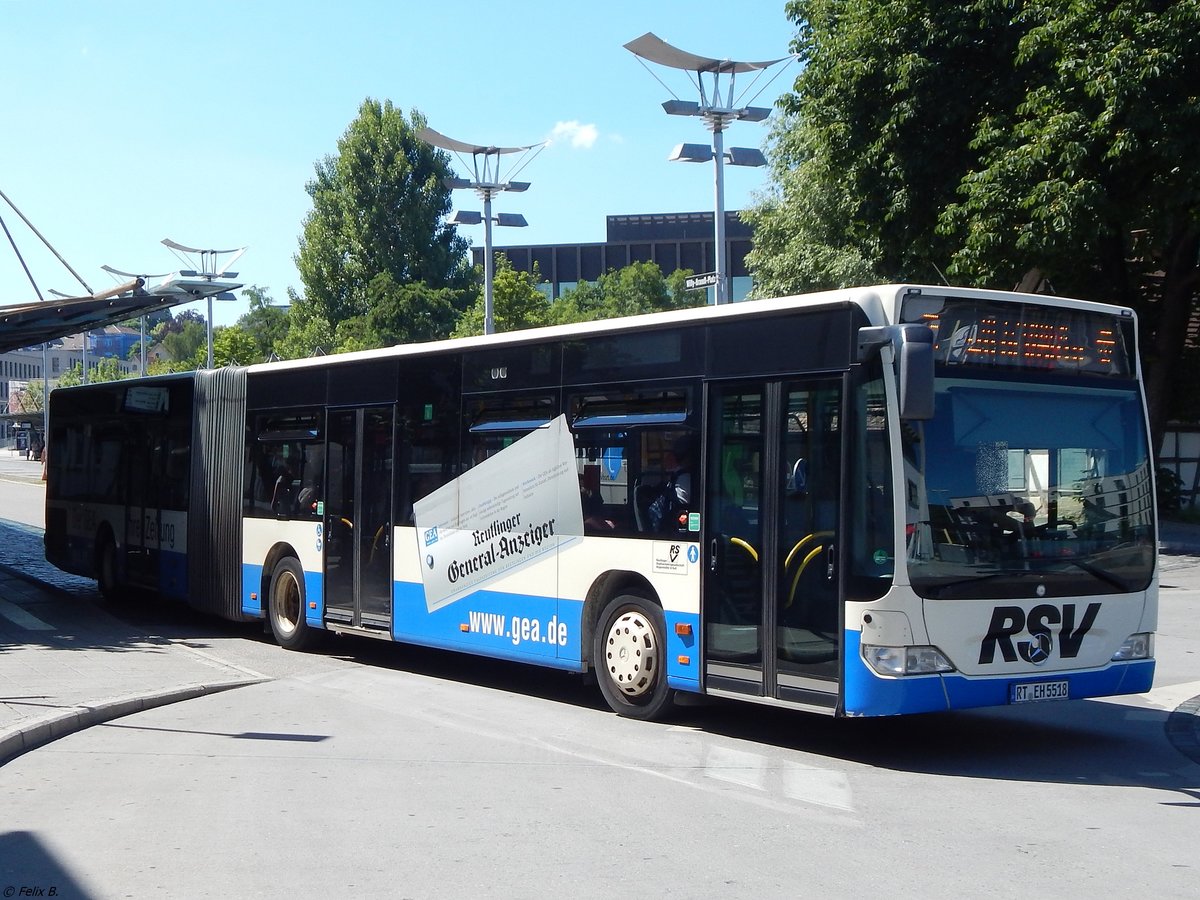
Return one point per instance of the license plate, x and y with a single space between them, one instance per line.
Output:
1040 690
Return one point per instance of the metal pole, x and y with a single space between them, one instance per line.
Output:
719 231
142 345
85 358
489 322
210 349
45 396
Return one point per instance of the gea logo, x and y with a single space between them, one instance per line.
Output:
1009 621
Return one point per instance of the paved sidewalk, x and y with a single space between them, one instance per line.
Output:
66 664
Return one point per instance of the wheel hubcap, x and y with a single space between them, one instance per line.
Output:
287 603
631 653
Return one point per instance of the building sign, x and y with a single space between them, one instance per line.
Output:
696 282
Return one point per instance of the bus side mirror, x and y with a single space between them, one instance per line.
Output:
913 346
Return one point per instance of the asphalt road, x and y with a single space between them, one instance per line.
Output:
375 770
373 780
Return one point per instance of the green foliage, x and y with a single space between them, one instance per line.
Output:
105 369
519 303
308 332
873 142
637 288
176 324
516 301
265 323
378 207
232 345
408 313
166 366
183 345
1092 153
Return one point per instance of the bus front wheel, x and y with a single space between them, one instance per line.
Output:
286 607
629 657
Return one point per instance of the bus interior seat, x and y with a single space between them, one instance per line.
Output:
646 487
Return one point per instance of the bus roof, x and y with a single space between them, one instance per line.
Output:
880 304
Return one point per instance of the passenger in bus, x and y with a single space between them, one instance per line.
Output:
670 509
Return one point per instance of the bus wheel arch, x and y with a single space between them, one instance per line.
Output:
286 603
607 586
629 652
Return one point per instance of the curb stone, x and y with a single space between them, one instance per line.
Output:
39 732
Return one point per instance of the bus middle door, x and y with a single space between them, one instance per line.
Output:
772 608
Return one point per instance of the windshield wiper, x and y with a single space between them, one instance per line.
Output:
978 579
1098 573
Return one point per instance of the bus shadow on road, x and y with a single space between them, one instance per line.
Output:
1088 742
1074 742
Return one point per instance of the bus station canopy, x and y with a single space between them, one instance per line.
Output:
30 324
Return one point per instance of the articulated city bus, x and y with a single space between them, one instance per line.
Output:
863 502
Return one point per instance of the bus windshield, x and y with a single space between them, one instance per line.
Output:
1029 488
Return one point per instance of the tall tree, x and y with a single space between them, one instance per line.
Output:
990 138
378 207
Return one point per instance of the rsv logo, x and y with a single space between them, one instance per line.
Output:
1010 621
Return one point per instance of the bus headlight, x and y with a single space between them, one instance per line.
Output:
1136 646
921 660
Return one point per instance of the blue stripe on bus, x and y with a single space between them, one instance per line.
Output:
173 575
545 631
869 694
681 675
314 599
252 584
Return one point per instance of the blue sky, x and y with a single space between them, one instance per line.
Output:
127 121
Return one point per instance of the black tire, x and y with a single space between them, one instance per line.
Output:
629 656
286 605
106 568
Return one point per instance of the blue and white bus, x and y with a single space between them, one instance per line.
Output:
863 502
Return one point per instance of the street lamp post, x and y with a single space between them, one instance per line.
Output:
204 281
486 183
718 112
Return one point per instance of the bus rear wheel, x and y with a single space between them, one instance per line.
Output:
106 568
285 607
629 657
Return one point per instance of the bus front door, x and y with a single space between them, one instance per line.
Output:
358 518
773 488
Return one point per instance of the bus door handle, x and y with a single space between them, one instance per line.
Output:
830 556
712 555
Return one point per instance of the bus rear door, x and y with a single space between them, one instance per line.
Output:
358 518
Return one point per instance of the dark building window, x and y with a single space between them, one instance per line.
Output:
671 240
